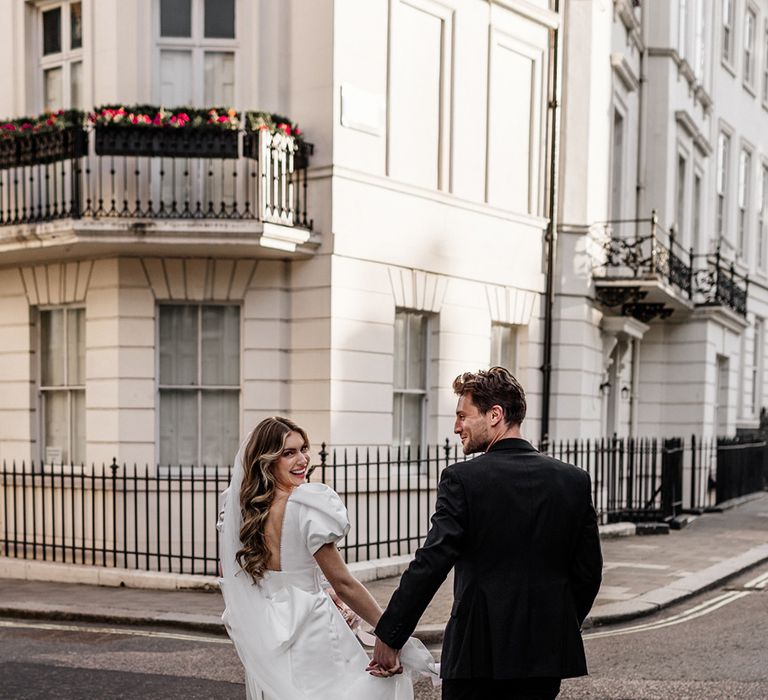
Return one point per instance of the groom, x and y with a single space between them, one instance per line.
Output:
522 533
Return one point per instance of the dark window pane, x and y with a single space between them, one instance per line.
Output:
175 17
220 19
52 31
76 24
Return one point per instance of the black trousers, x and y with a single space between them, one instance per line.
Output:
492 689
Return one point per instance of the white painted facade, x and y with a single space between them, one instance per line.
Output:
647 93
427 191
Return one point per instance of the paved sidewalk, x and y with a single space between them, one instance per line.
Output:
642 574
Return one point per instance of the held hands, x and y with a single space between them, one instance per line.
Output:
385 662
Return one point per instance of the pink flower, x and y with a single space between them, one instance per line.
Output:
223 119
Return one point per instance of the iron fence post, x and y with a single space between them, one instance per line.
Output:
652 260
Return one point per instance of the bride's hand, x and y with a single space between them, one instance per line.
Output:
386 661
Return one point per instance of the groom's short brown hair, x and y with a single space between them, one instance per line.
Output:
494 387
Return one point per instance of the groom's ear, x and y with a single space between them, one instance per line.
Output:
496 413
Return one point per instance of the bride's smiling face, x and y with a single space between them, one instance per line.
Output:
290 468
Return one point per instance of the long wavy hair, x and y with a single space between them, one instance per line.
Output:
257 491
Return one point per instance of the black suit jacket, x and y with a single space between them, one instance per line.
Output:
521 530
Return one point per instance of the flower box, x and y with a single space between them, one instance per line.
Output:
52 146
25 144
167 142
9 153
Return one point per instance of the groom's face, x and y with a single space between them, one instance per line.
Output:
472 426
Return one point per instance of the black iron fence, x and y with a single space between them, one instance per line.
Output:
259 176
165 520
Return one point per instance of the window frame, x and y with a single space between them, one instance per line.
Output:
681 196
515 330
749 50
397 431
198 45
199 388
65 388
722 182
63 59
697 206
728 35
743 199
765 64
618 166
758 353
762 219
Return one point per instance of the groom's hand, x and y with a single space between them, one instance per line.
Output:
385 662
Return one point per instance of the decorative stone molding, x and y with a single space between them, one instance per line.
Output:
510 305
688 124
619 331
57 283
624 72
181 279
418 290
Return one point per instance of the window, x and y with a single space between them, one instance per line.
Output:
618 165
410 381
750 22
504 347
699 55
61 55
728 14
696 234
682 23
197 52
680 200
723 154
62 385
765 65
757 367
745 166
199 384
762 219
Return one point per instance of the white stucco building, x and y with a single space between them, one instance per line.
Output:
665 108
130 329
183 299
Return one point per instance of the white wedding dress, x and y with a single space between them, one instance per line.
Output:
291 638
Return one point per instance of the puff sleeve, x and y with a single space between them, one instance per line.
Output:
323 517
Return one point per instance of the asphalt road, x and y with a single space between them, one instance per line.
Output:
713 647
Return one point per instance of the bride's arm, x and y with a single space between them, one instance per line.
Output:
347 587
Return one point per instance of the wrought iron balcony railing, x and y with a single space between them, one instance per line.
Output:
632 255
656 254
718 284
259 176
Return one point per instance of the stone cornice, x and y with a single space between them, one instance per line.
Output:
624 71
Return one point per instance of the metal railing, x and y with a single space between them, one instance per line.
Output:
718 284
165 521
259 176
641 249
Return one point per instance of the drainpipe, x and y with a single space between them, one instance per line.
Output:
641 122
550 238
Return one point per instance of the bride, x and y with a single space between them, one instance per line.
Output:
277 534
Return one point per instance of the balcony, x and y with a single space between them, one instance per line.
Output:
650 275
101 190
717 284
643 272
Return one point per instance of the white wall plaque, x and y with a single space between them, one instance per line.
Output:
362 110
